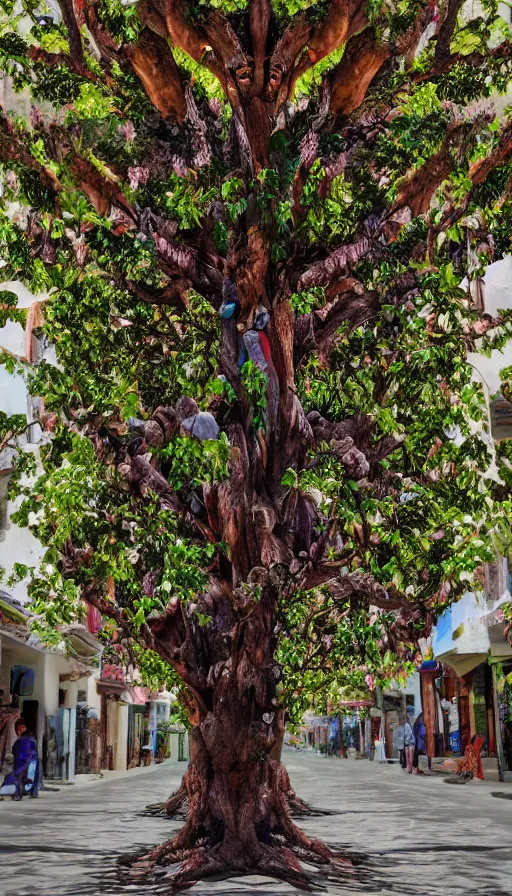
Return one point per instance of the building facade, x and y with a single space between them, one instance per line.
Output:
87 715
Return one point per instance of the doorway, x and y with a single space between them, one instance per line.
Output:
29 710
135 735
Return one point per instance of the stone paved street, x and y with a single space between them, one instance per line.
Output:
422 837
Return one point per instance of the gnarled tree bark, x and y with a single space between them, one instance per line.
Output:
272 540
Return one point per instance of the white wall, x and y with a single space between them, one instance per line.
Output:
498 296
13 392
13 655
121 757
54 666
93 698
411 687
17 545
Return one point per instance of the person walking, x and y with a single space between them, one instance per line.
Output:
420 734
399 743
409 745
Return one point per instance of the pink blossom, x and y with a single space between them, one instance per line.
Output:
370 681
137 176
179 167
127 130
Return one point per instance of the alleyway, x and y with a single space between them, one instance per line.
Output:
422 836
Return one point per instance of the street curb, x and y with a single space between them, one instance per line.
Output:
105 776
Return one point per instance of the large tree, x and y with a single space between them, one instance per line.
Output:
268 456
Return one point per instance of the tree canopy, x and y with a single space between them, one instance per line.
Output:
251 222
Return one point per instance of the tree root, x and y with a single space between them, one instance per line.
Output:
300 809
175 807
202 864
177 804
196 859
231 831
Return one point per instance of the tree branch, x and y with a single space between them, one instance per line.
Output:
365 55
13 149
419 187
91 594
287 50
183 34
260 14
102 40
362 589
336 264
153 62
139 472
480 170
55 60
350 80
445 32
100 189
74 36
344 18
317 330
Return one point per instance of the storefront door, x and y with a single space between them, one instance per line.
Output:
135 735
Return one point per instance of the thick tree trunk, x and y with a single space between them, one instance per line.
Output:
238 798
176 806
238 816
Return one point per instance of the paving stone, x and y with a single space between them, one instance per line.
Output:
420 837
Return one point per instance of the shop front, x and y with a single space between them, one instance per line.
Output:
356 727
502 672
41 685
474 656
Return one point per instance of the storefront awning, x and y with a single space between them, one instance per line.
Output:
462 663
470 631
80 642
110 686
135 696
11 611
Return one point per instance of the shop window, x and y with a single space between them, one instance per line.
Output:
22 681
501 418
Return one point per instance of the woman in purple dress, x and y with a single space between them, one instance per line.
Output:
25 775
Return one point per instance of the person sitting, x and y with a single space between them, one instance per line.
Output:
25 775
470 765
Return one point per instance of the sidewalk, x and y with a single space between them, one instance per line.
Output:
490 783
107 775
